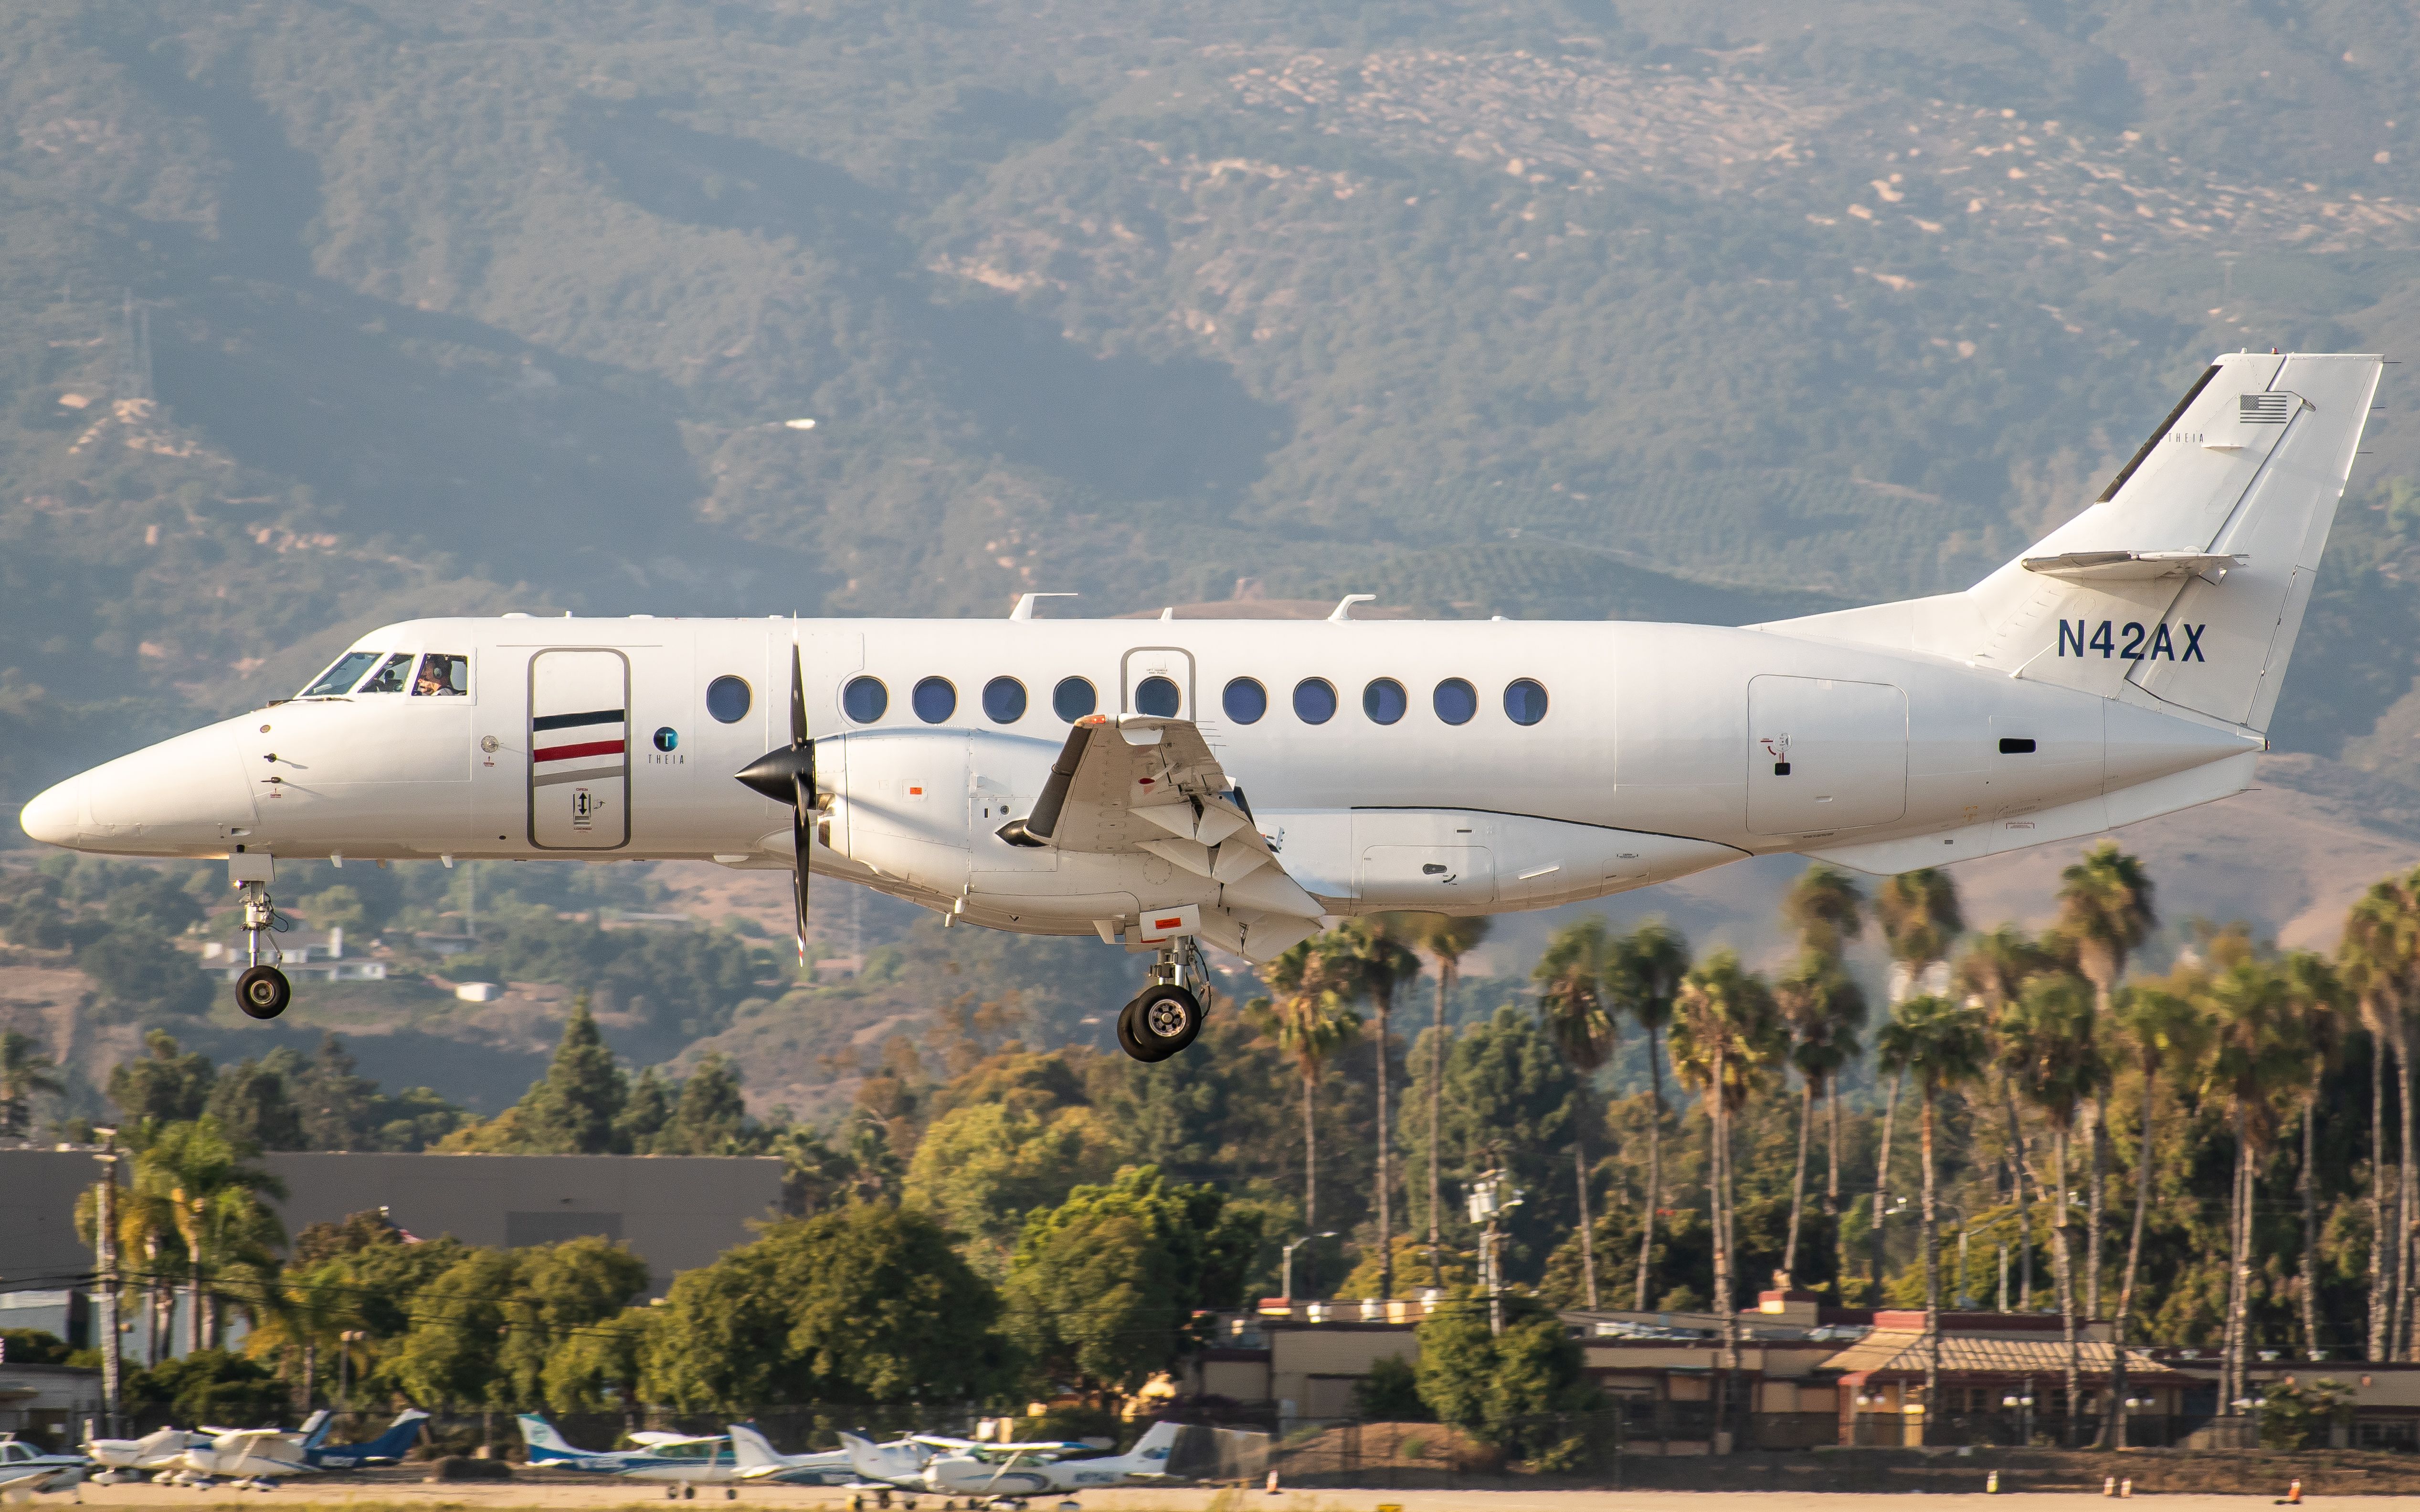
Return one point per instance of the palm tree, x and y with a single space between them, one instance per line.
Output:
1827 909
1992 974
1645 972
1943 1044
1919 918
1579 1016
1449 937
2105 906
2049 1047
1727 1034
2315 1005
1376 963
23 1072
212 1193
1919 913
2375 958
1311 1023
2255 1048
2163 1030
1824 1008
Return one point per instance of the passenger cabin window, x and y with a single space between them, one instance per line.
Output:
393 677
1456 701
1003 700
341 677
442 676
1314 701
934 700
1246 701
1525 700
727 699
1159 698
864 698
1384 702
1073 699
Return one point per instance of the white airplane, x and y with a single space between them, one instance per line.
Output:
24 1470
163 1449
1006 1471
756 1459
668 1457
1065 776
253 1458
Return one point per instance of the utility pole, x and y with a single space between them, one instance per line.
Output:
1490 1196
105 1243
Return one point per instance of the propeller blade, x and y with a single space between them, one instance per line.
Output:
802 836
798 699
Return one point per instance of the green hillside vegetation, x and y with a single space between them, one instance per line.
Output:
1585 310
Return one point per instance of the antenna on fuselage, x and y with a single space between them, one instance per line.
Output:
1024 609
1344 608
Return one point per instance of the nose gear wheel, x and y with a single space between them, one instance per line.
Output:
1165 1016
263 991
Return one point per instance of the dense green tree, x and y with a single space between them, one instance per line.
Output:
1311 1017
644 1112
1449 937
209 1386
1512 1102
2105 906
1508 1389
1645 976
983 1167
205 1180
573 1111
711 1117
559 1293
167 1083
870 1303
253 1104
1581 1016
1104 1289
24 1071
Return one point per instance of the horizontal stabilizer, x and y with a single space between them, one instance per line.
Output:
2130 566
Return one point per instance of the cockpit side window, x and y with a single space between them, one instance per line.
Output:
442 676
340 678
392 677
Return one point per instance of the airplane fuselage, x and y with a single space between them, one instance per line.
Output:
1458 766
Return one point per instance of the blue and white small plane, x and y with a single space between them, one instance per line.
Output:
386 1449
24 1469
659 1456
758 1460
1007 1472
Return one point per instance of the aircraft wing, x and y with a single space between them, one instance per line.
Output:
1137 782
671 1441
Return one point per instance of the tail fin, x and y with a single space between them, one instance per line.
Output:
1150 1453
316 1427
399 1436
2184 583
749 1449
544 1443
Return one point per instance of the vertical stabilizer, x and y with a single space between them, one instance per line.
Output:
2184 585
749 1449
543 1441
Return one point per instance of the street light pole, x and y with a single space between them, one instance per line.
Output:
1287 1261
105 1243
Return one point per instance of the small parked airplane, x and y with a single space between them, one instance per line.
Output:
668 1457
388 1448
1089 780
255 1457
24 1470
1006 1471
163 1449
758 1460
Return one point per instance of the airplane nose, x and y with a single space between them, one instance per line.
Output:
179 798
51 817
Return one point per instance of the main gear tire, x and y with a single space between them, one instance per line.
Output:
1127 1040
1166 1019
263 991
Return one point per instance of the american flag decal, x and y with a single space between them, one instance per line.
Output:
2264 409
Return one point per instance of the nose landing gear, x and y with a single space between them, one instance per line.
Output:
262 992
1167 1016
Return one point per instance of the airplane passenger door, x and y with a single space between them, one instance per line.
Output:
579 751
1824 754
1157 680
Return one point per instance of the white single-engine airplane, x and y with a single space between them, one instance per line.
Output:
1066 776
1007 1472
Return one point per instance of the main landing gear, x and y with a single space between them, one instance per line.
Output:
262 991
1167 1016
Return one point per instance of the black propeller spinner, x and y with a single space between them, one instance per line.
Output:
786 774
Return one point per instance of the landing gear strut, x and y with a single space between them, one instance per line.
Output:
1167 1016
262 991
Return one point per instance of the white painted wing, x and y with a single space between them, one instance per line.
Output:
1142 784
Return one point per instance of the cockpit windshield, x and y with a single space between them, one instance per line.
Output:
391 677
340 677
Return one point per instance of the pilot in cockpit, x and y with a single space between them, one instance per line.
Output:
443 676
